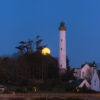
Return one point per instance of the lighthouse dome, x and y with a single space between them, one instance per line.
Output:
62 24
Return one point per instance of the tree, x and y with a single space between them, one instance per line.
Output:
39 47
67 62
21 47
29 46
68 75
25 47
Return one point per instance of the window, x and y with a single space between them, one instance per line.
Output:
95 82
61 49
61 40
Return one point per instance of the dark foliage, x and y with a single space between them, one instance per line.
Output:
93 64
31 68
68 75
28 68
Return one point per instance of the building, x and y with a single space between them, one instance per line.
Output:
95 81
85 72
81 83
62 48
77 73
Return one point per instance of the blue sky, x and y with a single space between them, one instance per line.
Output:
25 19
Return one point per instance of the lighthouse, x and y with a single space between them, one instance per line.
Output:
62 48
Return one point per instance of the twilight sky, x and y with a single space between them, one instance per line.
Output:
25 19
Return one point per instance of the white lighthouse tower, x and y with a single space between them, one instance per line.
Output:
62 49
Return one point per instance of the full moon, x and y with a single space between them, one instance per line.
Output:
45 51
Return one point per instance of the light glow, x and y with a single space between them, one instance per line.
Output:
45 51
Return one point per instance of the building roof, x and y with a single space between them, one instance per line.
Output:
62 26
78 82
90 64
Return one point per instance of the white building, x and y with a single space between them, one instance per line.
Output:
81 83
85 83
85 72
62 48
95 82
